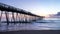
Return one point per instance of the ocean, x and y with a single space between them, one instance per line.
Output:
45 24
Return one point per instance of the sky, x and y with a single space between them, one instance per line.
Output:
39 7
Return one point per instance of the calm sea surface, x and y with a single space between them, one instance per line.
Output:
45 24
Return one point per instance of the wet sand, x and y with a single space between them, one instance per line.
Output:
31 32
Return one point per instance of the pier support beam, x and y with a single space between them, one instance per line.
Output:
1 17
7 18
19 17
13 17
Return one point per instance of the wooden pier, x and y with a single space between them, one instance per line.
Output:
16 15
